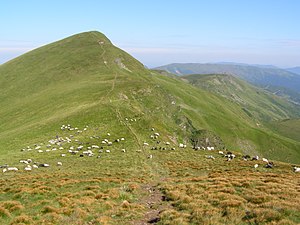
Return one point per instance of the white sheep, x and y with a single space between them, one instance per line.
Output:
10 169
28 168
35 166
59 163
146 144
122 139
24 161
123 150
265 160
255 166
44 165
181 145
150 156
210 157
221 152
167 143
63 155
107 151
296 169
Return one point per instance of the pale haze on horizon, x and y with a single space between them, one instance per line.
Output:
161 32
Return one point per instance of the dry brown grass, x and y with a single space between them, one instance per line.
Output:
12 206
22 219
4 212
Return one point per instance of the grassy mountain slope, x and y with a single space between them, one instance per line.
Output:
102 91
260 105
85 79
272 79
289 128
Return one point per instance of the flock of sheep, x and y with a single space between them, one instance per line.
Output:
72 146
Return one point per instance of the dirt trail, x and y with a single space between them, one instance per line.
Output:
154 201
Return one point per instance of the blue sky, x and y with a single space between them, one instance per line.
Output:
158 32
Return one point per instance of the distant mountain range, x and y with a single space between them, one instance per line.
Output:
294 70
278 81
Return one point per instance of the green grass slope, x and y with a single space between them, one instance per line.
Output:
289 128
84 79
259 104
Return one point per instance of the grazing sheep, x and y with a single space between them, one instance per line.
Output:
28 168
221 152
88 153
63 155
108 134
246 157
172 148
265 160
24 161
146 144
255 158
296 169
122 139
44 165
255 166
150 156
10 169
167 143
230 156
181 145
35 166
107 151
210 157
40 151
270 165
123 150
59 163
